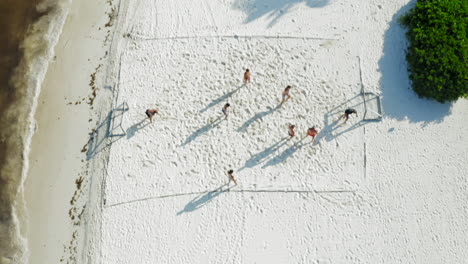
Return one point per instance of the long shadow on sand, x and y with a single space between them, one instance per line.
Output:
263 155
274 9
256 117
131 131
287 153
220 99
203 130
203 199
107 132
398 98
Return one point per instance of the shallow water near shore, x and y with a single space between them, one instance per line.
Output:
25 49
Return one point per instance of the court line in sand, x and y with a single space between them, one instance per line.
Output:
229 190
143 38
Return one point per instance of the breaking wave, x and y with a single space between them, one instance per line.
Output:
33 30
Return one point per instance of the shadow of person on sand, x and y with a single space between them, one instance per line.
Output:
203 130
221 98
203 199
399 101
256 117
283 156
134 128
274 9
329 135
263 155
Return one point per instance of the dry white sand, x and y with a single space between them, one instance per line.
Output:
364 192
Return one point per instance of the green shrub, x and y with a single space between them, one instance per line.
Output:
438 48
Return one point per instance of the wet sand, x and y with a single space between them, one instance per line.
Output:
15 18
56 188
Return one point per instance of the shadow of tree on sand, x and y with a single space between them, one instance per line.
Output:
399 101
274 9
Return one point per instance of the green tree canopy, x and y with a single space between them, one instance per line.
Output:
438 48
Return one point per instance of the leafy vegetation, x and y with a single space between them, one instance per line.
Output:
438 48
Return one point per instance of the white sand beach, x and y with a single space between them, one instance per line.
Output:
383 191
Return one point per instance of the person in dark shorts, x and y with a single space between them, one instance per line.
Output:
231 177
291 132
150 113
225 110
285 95
247 76
347 113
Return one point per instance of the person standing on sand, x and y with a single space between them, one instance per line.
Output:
246 76
291 132
225 110
286 95
312 132
150 113
347 113
231 177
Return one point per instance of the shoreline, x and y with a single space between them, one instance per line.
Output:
36 51
158 198
57 186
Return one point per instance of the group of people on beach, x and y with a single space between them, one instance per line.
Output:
285 97
312 131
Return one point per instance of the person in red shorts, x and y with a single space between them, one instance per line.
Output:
312 132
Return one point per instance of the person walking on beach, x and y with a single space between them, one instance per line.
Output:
286 95
246 76
291 132
312 132
347 113
231 177
225 110
150 113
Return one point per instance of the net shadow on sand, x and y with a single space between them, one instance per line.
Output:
333 122
107 132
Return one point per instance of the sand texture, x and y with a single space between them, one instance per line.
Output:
390 191
57 189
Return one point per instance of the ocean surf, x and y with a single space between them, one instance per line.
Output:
30 30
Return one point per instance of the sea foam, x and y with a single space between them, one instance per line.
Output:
38 50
